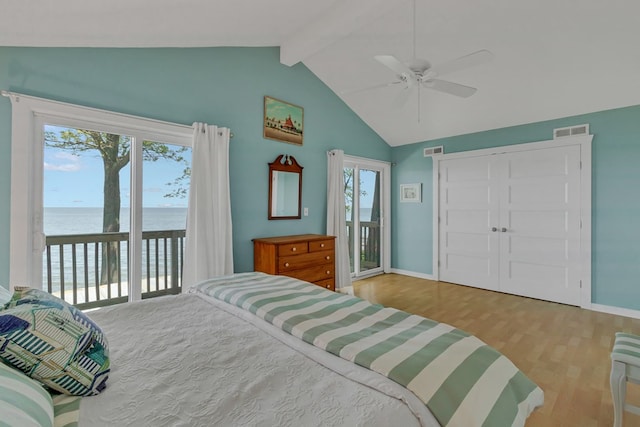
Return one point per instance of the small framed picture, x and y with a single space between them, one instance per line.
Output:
283 121
411 193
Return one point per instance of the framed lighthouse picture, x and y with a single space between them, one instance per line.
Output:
283 121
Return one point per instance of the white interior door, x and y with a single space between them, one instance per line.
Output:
540 213
511 222
469 206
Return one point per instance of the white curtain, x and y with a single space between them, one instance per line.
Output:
336 220
208 244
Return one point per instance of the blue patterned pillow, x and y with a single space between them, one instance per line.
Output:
54 343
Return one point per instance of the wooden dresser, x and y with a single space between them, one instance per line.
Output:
309 257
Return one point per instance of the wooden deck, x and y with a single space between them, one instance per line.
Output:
74 266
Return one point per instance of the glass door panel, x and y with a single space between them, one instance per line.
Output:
84 180
349 212
164 216
363 202
369 217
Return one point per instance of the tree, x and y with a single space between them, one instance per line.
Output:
179 185
115 153
348 190
350 211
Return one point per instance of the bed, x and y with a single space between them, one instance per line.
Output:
258 350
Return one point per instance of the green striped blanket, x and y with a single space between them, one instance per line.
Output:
463 381
66 410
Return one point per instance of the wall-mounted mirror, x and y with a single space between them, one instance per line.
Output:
285 188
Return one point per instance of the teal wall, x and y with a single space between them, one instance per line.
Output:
225 86
615 198
222 86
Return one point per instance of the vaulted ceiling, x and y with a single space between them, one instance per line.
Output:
552 58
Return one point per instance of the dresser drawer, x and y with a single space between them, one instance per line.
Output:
312 274
296 262
293 248
321 245
327 284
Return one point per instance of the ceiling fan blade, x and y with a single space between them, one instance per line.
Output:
393 64
450 87
467 61
402 97
362 89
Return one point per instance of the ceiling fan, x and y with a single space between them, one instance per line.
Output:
419 73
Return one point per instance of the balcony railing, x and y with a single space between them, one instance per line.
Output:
90 270
369 244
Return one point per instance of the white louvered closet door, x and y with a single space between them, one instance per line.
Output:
540 210
469 207
511 222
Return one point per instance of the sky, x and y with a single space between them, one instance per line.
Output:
76 181
367 187
367 191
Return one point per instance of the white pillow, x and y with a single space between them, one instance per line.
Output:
23 402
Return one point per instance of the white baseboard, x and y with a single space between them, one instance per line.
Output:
346 290
619 311
412 274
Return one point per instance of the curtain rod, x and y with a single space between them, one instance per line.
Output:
8 94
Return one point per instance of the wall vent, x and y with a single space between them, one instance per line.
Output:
433 151
571 131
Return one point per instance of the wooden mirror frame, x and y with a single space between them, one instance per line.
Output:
285 163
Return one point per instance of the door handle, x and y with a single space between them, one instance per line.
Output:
503 229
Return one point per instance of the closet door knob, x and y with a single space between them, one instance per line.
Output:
494 229
504 229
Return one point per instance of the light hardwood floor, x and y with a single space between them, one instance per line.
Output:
563 349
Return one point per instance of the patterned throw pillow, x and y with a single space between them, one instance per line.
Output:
54 343
23 402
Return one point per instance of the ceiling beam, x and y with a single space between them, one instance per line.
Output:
339 21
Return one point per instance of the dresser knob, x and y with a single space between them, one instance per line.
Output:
286 264
328 272
328 257
328 286
322 245
293 249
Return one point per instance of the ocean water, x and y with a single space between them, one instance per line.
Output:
63 221
72 221
365 214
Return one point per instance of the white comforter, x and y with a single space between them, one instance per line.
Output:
182 361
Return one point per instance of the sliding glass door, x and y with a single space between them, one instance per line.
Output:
93 180
366 201
94 215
